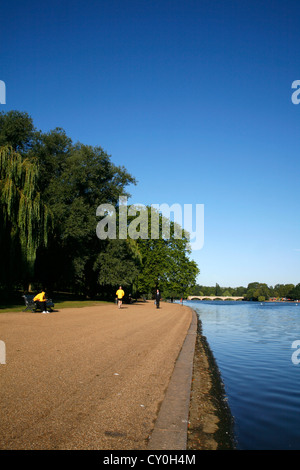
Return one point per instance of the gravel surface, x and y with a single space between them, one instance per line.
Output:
87 378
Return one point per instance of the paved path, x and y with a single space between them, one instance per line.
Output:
89 378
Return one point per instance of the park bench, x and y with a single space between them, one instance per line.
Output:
31 305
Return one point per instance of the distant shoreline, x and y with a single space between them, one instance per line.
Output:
240 300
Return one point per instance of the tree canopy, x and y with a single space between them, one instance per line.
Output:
165 260
25 219
50 190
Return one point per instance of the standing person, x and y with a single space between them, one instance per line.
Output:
120 294
41 301
157 298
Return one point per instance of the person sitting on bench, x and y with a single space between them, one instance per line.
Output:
41 301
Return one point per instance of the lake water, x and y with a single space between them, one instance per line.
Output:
254 347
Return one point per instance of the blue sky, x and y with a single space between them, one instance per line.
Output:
193 97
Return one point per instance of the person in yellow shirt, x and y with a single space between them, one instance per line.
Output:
120 294
41 300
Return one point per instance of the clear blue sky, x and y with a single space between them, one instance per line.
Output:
193 97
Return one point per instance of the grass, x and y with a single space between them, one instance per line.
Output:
7 308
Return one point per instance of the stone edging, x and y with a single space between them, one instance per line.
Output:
170 430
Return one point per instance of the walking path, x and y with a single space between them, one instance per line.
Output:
97 378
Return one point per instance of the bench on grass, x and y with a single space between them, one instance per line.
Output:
31 305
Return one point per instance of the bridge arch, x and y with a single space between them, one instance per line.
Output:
214 297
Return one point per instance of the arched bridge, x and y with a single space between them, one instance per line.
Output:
214 297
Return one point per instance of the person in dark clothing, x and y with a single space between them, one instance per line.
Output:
157 298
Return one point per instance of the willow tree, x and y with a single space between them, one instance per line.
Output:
25 219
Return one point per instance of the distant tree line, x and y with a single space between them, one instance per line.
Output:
254 291
50 188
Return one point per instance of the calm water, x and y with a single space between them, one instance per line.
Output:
252 344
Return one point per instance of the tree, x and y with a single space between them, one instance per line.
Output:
256 290
16 130
70 180
182 271
83 177
282 290
294 293
238 291
262 292
227 293
165 260
46 177
25 218
197 290
251 289
117 264
218 290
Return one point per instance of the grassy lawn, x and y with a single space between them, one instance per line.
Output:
6 308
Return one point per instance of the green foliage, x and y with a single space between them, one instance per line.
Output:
282 290
81 178
255 291
165 260
25 219
48 181
294 293
16 130
117 264
218 290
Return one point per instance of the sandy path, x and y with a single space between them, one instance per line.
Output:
87 378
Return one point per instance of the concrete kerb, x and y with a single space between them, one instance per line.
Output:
170 430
